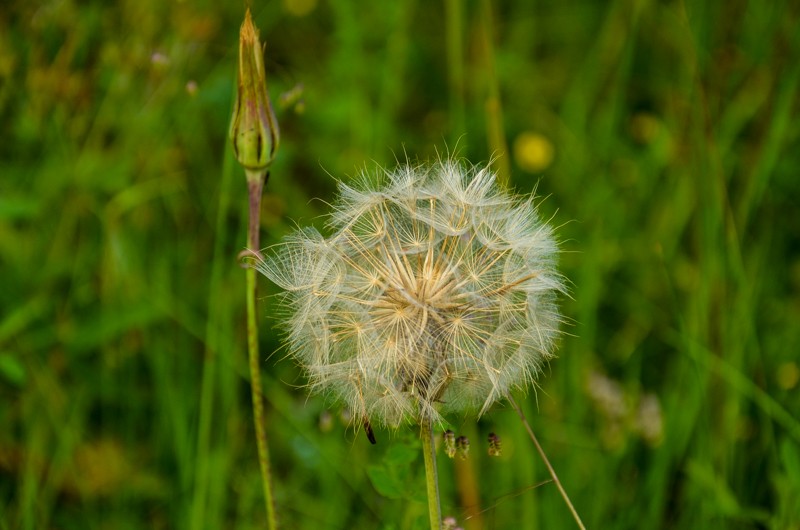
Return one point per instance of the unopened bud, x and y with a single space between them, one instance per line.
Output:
450 443
462 446
495 448
254 129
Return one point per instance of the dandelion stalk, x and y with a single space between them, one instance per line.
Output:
254 133
546 462
431 474
255 182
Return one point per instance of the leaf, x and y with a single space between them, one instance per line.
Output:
393 477
714 488
401 454
386 483
12 370
790 456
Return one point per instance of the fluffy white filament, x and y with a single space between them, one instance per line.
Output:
434 294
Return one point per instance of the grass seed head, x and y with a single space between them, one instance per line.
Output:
435 293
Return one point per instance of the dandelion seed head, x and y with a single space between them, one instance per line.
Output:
434 294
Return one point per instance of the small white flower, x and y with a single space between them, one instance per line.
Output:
435 293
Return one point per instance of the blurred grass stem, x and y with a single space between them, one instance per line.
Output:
454 25
255 185
546 462
431 474
493 106
207 387
467 485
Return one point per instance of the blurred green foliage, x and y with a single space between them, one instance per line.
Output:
663 136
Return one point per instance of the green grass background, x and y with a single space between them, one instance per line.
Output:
124 400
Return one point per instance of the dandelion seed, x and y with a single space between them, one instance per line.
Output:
434 294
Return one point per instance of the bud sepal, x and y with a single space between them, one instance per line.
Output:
254 129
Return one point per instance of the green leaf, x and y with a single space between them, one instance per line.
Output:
401 454
790 457
12 370
386 483
393 477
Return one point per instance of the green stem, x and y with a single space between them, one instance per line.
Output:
203 439
494 106
454 28
546 462
255 184
431 475
199 518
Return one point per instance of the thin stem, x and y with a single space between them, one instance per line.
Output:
202 459
199 519
467 485
454 28
431 474
255 184
494 107
546 462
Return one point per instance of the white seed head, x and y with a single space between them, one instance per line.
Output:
434 294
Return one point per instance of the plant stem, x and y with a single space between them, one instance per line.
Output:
199 519
546 462
494 107
467 485
255 184
431 474
454 27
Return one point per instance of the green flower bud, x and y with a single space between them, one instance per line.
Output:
462 447
495 447
254 129
450 443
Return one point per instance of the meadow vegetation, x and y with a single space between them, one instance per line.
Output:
662 138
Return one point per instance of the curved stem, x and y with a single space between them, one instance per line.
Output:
431 475
255 183
546 462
